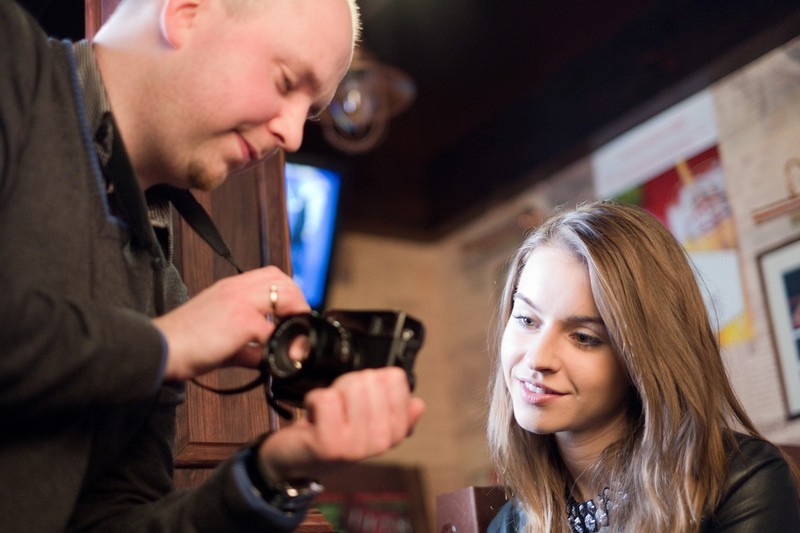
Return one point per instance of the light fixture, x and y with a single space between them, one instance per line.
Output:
370 94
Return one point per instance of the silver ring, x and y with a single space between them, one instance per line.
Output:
273 296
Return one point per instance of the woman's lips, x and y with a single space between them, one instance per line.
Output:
537 393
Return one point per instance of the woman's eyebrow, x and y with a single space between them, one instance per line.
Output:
586 319
523 298
575 319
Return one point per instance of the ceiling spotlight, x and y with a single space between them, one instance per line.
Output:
370 94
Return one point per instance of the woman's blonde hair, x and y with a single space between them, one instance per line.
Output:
672 462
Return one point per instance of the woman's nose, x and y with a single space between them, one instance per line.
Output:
542 354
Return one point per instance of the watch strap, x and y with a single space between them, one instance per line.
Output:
289 497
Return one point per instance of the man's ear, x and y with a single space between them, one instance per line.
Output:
176 19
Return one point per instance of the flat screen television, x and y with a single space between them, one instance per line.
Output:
312 202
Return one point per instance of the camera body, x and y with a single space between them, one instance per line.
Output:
335 342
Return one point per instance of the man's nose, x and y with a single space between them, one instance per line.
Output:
288 127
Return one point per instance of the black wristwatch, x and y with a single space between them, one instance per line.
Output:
294 497
289 497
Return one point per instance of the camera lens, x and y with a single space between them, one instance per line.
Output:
290 345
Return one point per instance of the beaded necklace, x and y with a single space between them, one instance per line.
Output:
588 517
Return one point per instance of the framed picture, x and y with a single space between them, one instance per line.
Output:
780 275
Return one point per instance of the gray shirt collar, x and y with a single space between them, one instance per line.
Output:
98 108
98 111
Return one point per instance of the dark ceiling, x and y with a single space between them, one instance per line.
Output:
508 90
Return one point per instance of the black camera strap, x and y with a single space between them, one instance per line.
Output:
200 221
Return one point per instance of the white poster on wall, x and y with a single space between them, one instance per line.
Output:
670 165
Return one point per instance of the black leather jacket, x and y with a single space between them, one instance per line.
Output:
759 495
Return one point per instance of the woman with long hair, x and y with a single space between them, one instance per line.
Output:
611 409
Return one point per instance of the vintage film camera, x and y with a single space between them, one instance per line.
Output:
310 350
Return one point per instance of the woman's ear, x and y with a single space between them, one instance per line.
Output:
176 18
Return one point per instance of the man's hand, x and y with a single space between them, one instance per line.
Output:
361 415
217 327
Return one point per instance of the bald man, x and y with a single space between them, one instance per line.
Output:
97 334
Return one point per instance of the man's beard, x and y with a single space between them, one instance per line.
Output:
200 179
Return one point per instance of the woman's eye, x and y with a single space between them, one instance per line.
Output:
524 320
585 339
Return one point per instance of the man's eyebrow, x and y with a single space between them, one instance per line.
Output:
309 78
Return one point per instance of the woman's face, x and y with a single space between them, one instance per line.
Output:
559 367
